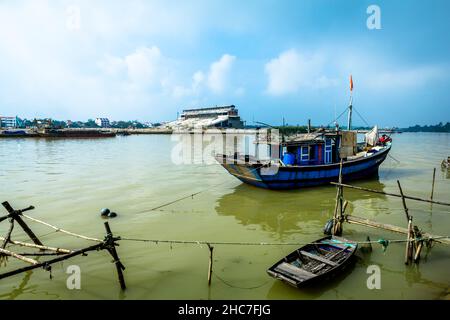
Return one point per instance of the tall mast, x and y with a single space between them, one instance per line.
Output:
350 107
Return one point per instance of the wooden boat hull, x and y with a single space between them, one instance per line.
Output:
295 177
299 277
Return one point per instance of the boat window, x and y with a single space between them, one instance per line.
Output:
328 151
305 153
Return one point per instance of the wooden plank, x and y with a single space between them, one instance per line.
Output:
318 258
294 272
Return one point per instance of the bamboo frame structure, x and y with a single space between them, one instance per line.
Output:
415 238
109 244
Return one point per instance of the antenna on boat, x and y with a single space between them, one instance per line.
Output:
350 107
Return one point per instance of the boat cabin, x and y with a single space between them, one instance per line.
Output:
318 148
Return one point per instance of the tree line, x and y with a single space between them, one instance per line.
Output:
90 123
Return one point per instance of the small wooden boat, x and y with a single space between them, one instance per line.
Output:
314 262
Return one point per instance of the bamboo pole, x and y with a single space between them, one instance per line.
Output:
389 227
345 207
432 184
211 248
408 242
9 215
62 230
111 247
408 218
418 251
32 245
338 213
18 256
38 254
46 264
15 215
7 238
391 194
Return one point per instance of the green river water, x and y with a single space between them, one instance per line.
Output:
69 181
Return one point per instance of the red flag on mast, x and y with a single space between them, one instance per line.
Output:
351 83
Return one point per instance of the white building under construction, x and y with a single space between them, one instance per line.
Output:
215 117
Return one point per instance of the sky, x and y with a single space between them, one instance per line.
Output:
148 60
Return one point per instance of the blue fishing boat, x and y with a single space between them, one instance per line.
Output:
311 159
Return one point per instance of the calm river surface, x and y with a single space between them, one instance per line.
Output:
69 181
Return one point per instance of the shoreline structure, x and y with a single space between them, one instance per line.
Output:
108 132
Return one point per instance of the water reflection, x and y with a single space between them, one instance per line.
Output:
22 288
285 212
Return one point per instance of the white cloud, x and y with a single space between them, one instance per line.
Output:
218 80
219 73
291 71
112 66
144 67
197 80
405 78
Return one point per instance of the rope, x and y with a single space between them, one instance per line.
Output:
270 243
188 196
361 117
393 158
337 117
238 287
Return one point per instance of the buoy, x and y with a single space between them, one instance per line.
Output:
112 215
104 212
328 227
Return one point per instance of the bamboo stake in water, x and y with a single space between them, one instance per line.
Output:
408 242
403 201
211 248
432 185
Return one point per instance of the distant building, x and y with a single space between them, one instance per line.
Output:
102 122
8 122
214 117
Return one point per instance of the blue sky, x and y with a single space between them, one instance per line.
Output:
147 60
